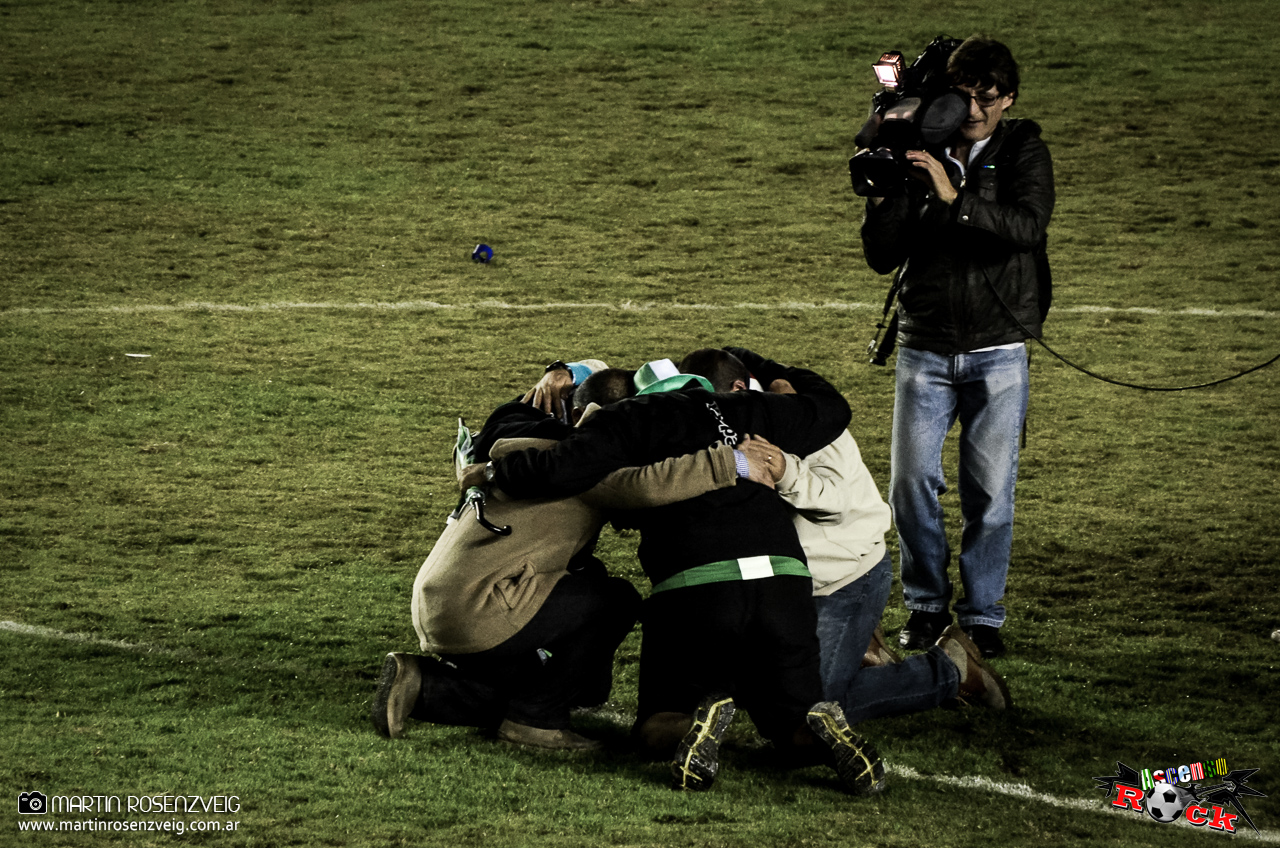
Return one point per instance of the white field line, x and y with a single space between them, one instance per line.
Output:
182 655
982 784
50 633
623 306
1025 793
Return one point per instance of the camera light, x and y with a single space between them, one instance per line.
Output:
889 69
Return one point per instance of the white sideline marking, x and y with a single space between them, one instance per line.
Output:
50 633
1015 790
1022 791
624 306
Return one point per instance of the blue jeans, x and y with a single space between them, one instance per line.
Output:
846 620
987 394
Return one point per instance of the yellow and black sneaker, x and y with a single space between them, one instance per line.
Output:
698 754
859 766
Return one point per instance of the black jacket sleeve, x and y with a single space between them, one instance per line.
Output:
803 380
802 423
516 419
606 442
647 429
886 237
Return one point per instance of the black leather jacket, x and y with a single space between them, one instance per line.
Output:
967 266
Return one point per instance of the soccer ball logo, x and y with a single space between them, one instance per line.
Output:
1165 803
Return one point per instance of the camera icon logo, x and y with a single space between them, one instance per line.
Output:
33 804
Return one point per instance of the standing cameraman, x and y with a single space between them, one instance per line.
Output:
969 297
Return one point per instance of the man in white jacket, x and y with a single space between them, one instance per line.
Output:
842 520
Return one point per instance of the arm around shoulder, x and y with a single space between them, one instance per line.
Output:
666 482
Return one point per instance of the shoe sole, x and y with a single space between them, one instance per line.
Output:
568 741
398 682
698 754
856 762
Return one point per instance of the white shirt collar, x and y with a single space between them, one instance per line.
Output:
973 153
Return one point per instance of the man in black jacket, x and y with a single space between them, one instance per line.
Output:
731 617
970 294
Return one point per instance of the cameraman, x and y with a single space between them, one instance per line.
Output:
969 297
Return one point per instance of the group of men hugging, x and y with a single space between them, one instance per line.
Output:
762 533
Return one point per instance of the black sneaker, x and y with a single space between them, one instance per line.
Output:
859 766
698 754
987 638
923 629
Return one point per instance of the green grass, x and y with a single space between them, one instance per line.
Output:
277 202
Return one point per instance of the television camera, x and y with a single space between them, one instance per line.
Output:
917 109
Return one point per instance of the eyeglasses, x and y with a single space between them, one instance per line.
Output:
986 101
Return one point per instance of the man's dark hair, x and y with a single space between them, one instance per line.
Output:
604 387
719 366
982 63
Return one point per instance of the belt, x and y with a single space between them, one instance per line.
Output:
747 568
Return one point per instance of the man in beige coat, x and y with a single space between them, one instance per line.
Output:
525 625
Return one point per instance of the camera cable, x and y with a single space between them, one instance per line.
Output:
1110 380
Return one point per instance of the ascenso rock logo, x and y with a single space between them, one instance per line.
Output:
1172 793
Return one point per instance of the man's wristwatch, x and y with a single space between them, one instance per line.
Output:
488 471
558 365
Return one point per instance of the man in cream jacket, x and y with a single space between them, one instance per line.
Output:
841 520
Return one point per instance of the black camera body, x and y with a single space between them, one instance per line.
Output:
916 110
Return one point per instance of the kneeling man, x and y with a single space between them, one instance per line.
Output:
525 625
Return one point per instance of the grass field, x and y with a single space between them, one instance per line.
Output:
206 551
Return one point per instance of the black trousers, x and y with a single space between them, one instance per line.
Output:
563 658
755 640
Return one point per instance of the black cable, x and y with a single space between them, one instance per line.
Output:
1151 388
1083 370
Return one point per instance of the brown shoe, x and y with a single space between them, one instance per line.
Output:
539 737
397 692
978 681
878 653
